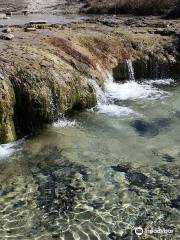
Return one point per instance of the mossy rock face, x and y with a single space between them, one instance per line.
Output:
155 67
49 73
7 101
40 98
149 67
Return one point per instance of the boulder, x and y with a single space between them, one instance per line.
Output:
30 29
8 36
7 30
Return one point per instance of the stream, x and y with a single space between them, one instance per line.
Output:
51 19
100 173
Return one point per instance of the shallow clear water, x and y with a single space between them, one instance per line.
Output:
51 19
100 173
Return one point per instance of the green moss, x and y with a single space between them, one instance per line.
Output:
7 129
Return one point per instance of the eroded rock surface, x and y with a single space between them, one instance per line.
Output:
49 72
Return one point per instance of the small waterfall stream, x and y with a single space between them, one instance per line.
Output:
110 100
130 70
106 100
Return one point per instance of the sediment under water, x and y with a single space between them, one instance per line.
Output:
101 172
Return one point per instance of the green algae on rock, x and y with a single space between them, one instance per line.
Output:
7 101
48 72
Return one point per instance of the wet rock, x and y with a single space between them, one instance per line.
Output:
175 203
55 235
8 36
57 184
19 204
7 101
96 205
113 236
136 178
145 129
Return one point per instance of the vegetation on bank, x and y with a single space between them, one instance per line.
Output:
136 7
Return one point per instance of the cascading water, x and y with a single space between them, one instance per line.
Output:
100 95
6 150
106 99
110 101
130 70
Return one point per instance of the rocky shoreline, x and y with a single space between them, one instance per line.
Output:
47 71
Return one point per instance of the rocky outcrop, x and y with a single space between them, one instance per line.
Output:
46 73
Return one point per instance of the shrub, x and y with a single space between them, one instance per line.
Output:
139 7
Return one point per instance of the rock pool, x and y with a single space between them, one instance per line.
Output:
100 173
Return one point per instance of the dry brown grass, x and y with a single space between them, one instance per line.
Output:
139 7
66 46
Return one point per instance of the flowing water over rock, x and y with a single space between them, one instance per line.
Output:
130 69
100 173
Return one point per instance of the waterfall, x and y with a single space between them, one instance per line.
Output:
101 97
106 99
130 70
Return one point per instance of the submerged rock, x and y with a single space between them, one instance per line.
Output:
145 129
114 236
121 168
136 178
7 102
175 203
58 184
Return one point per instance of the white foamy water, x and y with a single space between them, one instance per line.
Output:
101 96
64 123
167 81
6 150
114 110
132 90
130 70
105 103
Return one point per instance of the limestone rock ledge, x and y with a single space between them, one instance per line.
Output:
48 72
